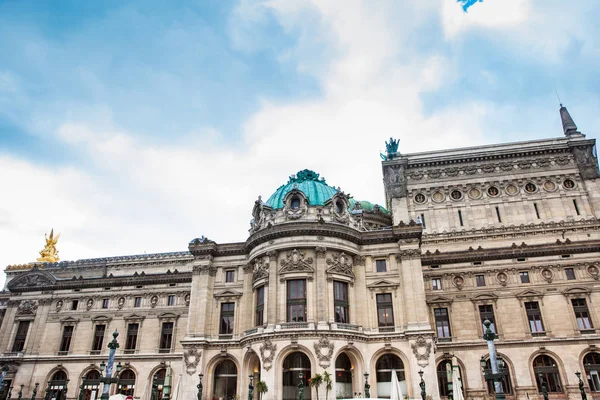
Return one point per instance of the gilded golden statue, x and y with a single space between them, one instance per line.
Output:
49 253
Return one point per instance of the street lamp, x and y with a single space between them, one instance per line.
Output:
35 389
367 386
544 387
250 387
20 393
581 386
167 384
422 384
497 364
300 386
199 386
3 375
108 380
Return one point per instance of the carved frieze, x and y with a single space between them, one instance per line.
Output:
296 261
34 278
206 269
267 353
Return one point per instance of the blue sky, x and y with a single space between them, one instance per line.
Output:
134 126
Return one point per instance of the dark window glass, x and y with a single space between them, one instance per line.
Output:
126 384
260 306
339 206
98 337
546 366
506 386
524 275
74 304
166 335
385 311
591 363
487 312
576 207
65 343
582 314
340 302
480 280
295 203
381 265
386 364
229 276
436 283
105 303
227 312
570 273
534 316
21 336
137 302
444 368
442 323
296 300
171 300
132 334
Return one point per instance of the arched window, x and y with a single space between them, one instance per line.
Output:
444 373
292 366
339 206
225 380
58 385
591 363
126 382
158 380
545 368
343 376
91 385
295 203
506 386
384 367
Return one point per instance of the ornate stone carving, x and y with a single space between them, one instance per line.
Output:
421 349
458 281
32 279
59 305
502 278
267 353
153 301
296 262
593 271
324 350
586 161
407 254
340 264
320 250
395 181
359 260
191 357
89 304
205 269
27 307
121 302
547 274
261 269
187 299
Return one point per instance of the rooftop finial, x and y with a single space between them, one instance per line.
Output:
569 127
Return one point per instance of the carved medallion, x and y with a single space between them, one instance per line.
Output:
324 350
191 357
153 301
458 281
502 278
421 349
593 271
89 304
267 353
547 275
59 305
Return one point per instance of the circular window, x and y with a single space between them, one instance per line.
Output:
438 196
549 186
474 193
530 188
420 198
456 195
493 191
295 203
568 184
512 190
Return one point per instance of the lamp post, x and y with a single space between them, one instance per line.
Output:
108 380
250 387
199 386
422 385
581 386
81 389
3 375
167 384
367 386
35 389
300 386
9 393
48 390
544 386
497 372
20 394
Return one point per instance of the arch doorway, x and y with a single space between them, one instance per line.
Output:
383 368
591 363
126 382
443 382
58 385
292 366
506 385
225 383
254 370
91 385
343 376
546 367
158 380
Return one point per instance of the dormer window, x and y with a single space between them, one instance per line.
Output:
295 203
339 207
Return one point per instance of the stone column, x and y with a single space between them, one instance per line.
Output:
199 325
272 299
413 286
38 326
321 285
6 331
248 301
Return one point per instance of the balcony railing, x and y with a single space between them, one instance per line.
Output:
348 327
294 325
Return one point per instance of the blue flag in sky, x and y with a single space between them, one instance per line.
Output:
467 3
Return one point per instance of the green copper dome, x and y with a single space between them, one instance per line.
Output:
308 182
366 205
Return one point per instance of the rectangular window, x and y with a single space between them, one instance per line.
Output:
340 302
423 221
137 302
21 336
380 265
570 273
582 314
524 275
65 343
98 337
534 316
498 214
166 336
104 303
436 283
480 279
576 206
74 304
260 306
460 218
227 312
296 300
537 212
442 323
385 310
487 312
132 336
171 300
229 276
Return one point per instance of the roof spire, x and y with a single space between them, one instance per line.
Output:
569 127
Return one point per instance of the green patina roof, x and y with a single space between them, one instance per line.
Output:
308 182
366 205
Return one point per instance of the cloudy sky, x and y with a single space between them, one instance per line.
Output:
135 126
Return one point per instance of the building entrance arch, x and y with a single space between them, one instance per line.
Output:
294 364
225 380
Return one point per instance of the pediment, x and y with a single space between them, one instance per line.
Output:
167 315
228 293
383 283
485 297
31 279
530 293
576 290
133 316
439 299
69 320
101 318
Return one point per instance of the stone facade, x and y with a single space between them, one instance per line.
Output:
506 232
